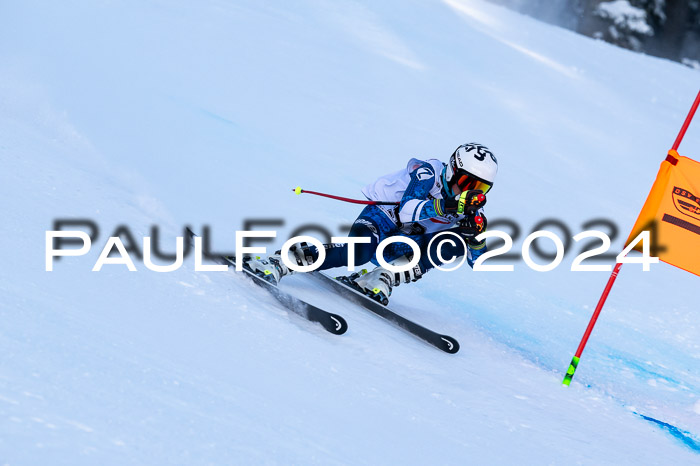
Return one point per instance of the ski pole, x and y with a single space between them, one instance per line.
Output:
479 197
298 190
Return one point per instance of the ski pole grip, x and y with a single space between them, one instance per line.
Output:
462 202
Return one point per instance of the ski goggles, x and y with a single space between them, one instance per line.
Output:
468 182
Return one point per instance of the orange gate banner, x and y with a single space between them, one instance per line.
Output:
672 214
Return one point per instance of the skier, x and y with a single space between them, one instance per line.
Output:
431 197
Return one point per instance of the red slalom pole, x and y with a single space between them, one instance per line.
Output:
298 190
577 357
579 351
686 123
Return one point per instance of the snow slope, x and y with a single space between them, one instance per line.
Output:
174 113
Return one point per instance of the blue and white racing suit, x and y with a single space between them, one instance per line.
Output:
420 216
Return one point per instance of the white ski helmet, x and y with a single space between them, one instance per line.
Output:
471 166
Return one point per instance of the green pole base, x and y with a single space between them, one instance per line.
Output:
570 372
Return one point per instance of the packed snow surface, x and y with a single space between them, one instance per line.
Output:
142 113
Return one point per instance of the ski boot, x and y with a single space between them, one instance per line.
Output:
273 268
302 254
379 283
376 284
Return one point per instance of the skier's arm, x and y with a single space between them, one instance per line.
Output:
415 204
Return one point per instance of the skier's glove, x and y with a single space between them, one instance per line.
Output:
465 203
470 227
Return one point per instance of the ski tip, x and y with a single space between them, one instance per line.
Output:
449 344
340 325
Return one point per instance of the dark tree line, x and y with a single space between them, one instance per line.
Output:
664 28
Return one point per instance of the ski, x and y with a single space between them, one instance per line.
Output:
443 342
333 323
